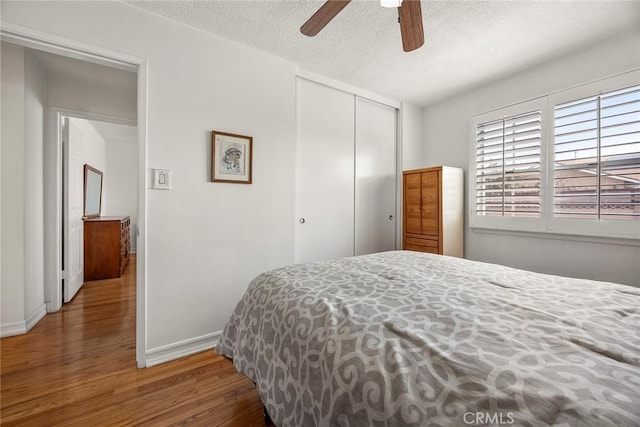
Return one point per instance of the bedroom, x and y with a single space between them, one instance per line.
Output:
198 82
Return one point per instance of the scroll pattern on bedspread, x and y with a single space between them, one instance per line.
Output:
412 339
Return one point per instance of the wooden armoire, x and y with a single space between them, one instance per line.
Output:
433 210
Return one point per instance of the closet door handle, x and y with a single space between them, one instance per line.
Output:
390 217
302 220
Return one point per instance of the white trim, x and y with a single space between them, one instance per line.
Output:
53 291
166 353
326 81
34 39
28 37
99 117
559 91
559 236
141 228
35 317
13 328
52 161
400 112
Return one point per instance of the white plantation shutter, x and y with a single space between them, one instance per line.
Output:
567 163
597 156
508 166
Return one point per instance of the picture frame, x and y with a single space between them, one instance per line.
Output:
231 157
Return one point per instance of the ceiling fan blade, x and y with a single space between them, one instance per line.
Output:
410 16
323 16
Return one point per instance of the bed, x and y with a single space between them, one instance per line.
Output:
412 339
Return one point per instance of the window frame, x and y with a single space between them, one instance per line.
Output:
577 226
507 222
547 223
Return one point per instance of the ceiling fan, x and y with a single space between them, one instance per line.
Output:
409 16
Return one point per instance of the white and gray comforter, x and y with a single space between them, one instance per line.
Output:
411 339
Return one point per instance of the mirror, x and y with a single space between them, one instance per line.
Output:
92 192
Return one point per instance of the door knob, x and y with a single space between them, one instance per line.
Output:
302 220
390 217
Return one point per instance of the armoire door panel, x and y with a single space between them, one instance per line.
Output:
375 177
412 203
325 172
430 196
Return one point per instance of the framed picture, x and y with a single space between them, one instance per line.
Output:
231 157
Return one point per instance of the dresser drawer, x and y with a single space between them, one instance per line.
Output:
419 248
421 242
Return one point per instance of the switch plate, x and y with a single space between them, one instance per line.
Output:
161 179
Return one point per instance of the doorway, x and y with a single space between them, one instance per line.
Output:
52 156
109 150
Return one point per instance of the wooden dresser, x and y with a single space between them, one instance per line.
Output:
433 210
106 246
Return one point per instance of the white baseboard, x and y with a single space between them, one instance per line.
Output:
13 328
19 328
36 316
173 351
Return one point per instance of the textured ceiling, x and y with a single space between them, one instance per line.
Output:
468 43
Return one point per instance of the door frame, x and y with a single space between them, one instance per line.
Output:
53 291
34 39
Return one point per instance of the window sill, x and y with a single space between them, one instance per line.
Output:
622 241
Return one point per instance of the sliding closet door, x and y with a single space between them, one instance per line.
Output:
325 172
375 185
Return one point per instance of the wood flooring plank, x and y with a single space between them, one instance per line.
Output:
78 367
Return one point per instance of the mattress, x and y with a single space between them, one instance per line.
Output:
411 339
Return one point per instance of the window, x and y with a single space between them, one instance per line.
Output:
565 163
508 166
597 157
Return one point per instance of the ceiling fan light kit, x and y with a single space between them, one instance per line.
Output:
409 16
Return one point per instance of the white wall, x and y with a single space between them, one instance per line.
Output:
92 151
447 130
411 153
121 178
35 101
23 100
412 136
205 241
13 118
72 93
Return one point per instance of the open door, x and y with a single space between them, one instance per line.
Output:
72 187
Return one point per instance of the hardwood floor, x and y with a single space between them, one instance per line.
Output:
78 367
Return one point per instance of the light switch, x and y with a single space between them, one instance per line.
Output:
161 179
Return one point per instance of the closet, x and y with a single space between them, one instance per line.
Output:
432 206
346 174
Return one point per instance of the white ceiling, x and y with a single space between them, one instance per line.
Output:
113 132
97 74
468 43
85 71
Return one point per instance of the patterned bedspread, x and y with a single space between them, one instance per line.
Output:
410 339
